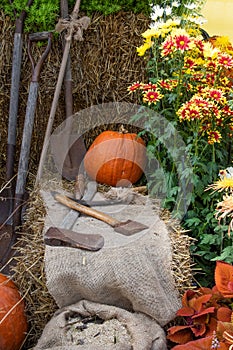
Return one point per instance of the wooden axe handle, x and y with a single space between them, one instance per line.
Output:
86 210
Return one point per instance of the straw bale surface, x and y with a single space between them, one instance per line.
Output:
29 272
103 66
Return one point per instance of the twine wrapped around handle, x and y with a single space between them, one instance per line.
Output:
73 26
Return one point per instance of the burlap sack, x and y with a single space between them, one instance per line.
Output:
133 272
60 332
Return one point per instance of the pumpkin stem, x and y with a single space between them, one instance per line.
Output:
122 130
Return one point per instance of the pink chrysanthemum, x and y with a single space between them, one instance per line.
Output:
225 60
216 94
182 42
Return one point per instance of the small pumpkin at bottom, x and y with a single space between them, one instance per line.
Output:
116 158
13 322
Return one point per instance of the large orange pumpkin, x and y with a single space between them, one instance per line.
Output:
13 322
116 158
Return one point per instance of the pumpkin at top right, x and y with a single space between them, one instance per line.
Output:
116 158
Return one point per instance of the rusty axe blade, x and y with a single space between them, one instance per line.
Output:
56 236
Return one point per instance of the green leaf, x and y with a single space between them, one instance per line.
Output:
226 255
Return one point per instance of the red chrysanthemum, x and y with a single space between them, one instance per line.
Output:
152 96
134 86
168 47
199 44
215 94
225 60
189 63
165 85
214 136
182 42
148 87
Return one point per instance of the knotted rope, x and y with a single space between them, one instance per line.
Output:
73 26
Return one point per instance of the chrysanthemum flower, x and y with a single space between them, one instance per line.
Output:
189 112
189 63
200 102
211 65
194 114
209 51
168 47
225 209
152 96
225 60
149 33
149 86
214 136
182 42
223 184
227 111
165 84
134 87
199 44
216 94
141 50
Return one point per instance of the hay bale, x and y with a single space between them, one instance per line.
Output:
29 272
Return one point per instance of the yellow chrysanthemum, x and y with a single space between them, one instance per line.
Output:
171 23
179 31
225 209
222 41
149 33
141 50
210 51
223 184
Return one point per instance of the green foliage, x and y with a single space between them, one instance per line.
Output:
43 14
107 7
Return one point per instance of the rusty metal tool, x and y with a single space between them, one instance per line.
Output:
63 236
56 236
7 194
47 137
29 120
126 228
8 228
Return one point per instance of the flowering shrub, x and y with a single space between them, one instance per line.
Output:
190 83
207 315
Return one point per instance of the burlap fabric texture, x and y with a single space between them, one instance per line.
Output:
145 334
133 273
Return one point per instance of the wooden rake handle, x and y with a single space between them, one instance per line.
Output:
85 210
